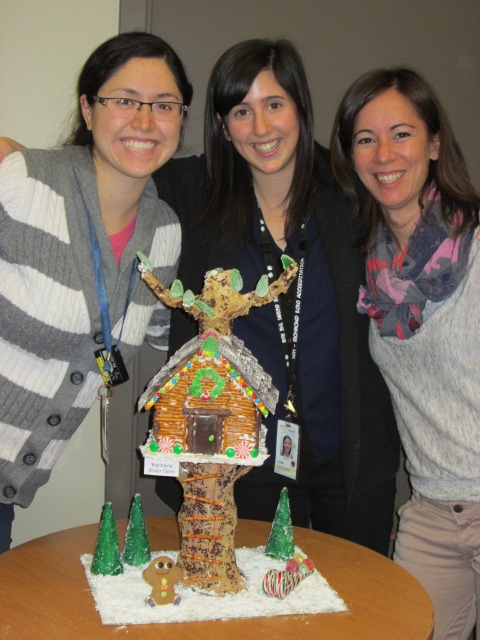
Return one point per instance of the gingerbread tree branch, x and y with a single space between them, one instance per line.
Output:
220 301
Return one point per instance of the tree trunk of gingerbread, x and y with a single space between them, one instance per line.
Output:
208 401
207 521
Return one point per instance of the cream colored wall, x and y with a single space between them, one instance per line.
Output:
43 44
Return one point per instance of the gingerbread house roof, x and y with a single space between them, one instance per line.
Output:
239 361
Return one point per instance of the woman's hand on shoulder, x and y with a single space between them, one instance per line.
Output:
8 146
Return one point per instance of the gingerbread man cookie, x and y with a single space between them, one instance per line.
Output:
162 574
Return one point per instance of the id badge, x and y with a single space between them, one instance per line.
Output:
111 366
287 449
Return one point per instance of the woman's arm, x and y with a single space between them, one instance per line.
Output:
8 146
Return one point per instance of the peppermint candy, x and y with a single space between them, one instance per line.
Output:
243 449
165 445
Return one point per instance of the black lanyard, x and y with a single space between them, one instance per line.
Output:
289 343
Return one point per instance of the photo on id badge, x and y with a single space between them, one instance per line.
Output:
286 456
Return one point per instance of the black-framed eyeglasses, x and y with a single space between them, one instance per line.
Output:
126 107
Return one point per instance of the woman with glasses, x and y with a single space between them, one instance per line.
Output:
73 310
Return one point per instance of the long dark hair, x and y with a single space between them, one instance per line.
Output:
449 171
107 60
230 201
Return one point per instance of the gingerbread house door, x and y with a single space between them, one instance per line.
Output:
205 430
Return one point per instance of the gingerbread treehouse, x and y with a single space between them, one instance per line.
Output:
207 402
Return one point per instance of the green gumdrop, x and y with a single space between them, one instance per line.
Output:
280 543
153 447
178 449
254 453
210 344
230 452
262 286
286 260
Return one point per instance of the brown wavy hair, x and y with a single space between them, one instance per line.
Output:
449 171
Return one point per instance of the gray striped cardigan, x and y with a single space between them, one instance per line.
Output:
49 315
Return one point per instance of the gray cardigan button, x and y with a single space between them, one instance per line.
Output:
29 459
9 491
77 377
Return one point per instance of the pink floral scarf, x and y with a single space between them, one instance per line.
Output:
430 268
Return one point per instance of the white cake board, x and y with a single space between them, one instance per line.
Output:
120 600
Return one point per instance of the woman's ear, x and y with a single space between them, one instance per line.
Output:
224 128
86 111
435 147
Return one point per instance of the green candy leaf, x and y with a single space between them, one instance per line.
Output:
236 281
144 260
262 286
188 298
176 289
205 308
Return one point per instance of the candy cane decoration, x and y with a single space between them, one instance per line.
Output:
279 584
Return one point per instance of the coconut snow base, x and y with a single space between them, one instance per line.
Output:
120 599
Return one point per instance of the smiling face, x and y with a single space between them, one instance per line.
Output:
264 127
134 146
392 151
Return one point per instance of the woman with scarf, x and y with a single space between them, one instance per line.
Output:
422 295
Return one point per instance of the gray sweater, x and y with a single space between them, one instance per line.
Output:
434 379
49 314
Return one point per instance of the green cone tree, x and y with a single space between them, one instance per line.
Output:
137 546
280 543
107 560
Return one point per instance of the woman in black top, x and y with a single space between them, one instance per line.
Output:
262 160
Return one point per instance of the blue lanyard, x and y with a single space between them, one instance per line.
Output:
102 294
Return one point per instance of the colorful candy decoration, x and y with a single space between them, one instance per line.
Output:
197 387
279 584
197 390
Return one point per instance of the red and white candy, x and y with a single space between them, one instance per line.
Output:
280 583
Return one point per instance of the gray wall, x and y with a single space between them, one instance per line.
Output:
338 39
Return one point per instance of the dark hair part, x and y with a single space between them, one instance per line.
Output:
449 171
108 58
232 76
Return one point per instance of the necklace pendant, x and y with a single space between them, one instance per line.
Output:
290 407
